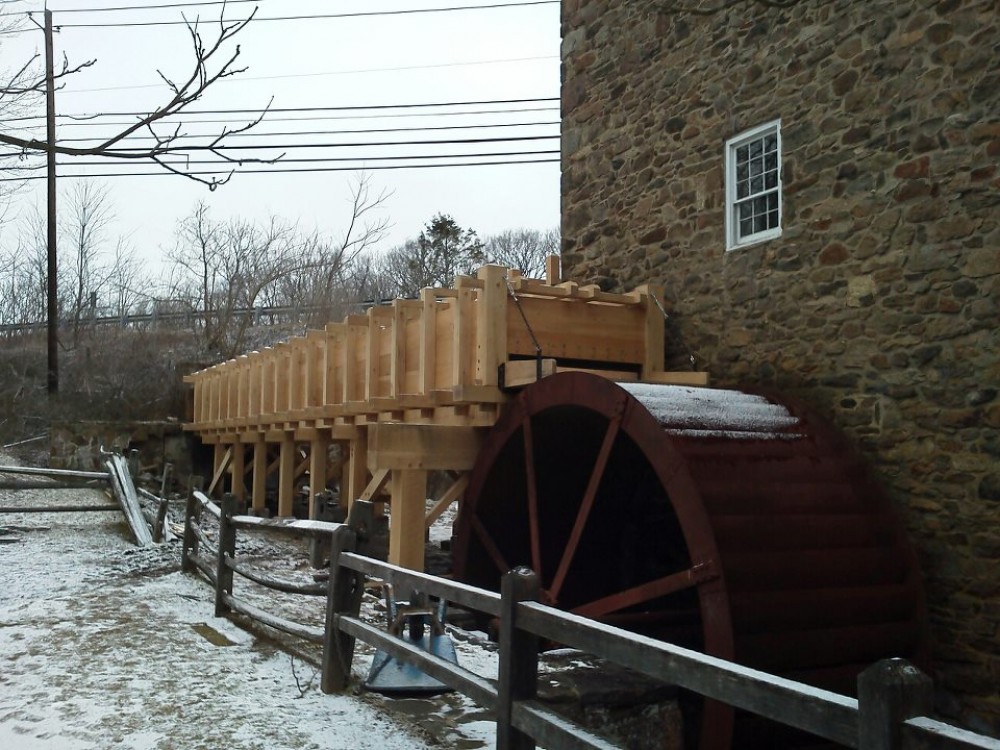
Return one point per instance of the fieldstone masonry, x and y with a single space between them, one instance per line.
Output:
880 302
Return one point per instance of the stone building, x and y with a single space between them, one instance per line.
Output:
817 189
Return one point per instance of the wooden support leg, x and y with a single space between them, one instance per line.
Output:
406 522
238 468
317 471
259 488
286 476
357 459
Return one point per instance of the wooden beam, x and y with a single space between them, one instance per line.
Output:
422 446
553 272
357 471
379 480
318 453
406 520
258 488
520 372
286 476
450 495
653 331
239 489
491 325
223 456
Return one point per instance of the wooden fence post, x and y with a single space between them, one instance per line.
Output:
343 596
890 692
168 469
227 548
518 658
159 526
192 513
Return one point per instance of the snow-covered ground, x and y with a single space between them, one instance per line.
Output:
104 645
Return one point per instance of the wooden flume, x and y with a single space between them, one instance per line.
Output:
412 387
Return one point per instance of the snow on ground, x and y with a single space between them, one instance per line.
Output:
104 645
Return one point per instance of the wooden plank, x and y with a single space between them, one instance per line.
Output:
124 492
462 352
578 330
653 330
453 493
379 480
553 272
491 325
223 455
406 520
521 372
428 346
419 446
357 471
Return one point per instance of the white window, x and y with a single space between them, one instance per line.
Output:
753 186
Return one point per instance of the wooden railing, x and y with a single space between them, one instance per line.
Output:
891 712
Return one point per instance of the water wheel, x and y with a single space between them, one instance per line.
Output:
720 520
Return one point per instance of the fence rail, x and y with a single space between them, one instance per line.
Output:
890 713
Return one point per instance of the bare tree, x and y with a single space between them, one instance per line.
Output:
213 61
523 249
85 232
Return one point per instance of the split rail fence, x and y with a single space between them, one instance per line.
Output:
148 526
891 713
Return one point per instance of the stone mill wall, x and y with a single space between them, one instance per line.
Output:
880 301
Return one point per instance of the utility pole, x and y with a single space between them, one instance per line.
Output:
52 285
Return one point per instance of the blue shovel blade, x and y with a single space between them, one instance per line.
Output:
389 675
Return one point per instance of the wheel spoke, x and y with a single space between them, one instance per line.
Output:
639 594
589 496
529 470
491 547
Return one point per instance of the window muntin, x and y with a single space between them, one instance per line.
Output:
753 186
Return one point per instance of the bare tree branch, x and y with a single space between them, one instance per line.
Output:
204 74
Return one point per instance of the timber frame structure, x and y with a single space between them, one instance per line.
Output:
412 387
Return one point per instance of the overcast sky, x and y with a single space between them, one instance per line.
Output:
485 54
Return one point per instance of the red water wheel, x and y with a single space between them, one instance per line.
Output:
715 519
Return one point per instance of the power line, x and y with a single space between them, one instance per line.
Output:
340 108
514 162
321 118
153 7
124 152
328 160
244 79
315 17
366 131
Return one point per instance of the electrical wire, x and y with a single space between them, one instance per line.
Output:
397 69
313 17
367 131
285 110
324 160
514 162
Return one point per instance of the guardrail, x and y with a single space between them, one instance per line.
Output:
890 713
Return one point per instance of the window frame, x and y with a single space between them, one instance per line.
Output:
733 239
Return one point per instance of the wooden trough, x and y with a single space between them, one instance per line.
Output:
412 387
